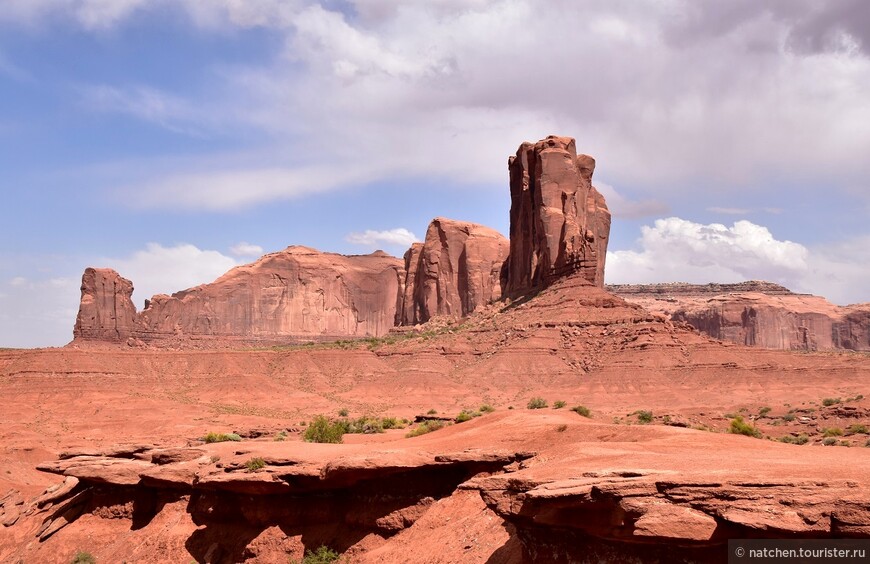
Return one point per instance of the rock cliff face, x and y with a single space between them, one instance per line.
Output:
559 223
757 314
456 270
296 293
106 311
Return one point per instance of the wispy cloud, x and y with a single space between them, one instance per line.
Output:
147 104
398 237
244 249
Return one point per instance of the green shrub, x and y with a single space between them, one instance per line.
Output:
343 412
255 464
832 432
83 557
559 404
828 402
801 439
462 417
741 427
363 426
829 441
323 555
857 429
788 417
582 410
282 435
644 416
486 408
211 437
763 411
537 403
391 423
432 412
426 426
322 430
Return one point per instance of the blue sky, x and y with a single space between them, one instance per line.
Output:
172 139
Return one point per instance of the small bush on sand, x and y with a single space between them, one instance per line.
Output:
582 410
562 428
486 408
829 441
832 432
255 464
323 555
741 427
857 429
466 415
788 417
828 402
801 439
343 412
211 437
537 403
559 404
763 411
426 426
322 430
644 416
432 412
83 557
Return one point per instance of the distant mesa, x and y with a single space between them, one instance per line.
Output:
756 313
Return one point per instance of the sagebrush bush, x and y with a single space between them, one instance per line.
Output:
832 432
829 441
83 557
323 555
858 429
581 410
486 408
255 464
801 439
343 412
537 403
741 427
322 430
644 416
211 437
426 426
828 402
559 404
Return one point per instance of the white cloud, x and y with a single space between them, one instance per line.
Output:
677 250
164 270
244 249
622 207
398 237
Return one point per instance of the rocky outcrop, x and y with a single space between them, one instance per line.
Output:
757 314
106 311
456 270
559 223
298 293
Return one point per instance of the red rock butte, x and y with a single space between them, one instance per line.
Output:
559 225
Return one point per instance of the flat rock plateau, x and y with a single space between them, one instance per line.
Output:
103 446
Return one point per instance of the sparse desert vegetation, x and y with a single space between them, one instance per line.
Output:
739 426
537 403
212 437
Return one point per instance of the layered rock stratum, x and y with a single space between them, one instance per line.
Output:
757 313
295 293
